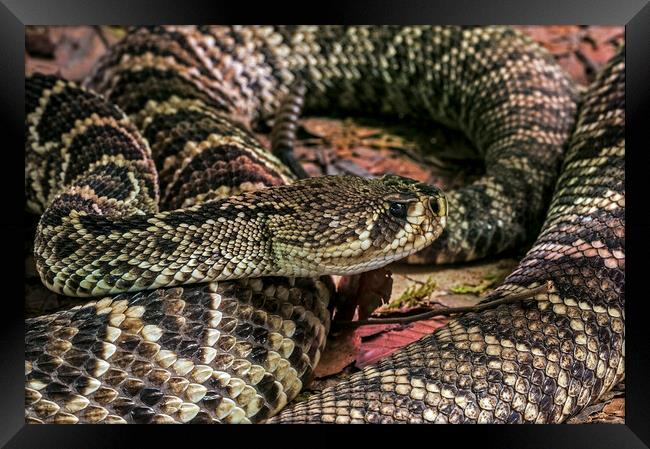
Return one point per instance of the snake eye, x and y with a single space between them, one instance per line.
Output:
397 210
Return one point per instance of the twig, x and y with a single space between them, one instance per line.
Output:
415 281
451 310
102 37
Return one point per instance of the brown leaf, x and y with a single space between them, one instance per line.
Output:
597 56
605 34
321 127
340 352
38 42
558 40
386 342
615 407
374 329
574 68
401 166
367 291
358 295
78 49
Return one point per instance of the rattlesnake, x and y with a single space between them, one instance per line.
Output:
238 351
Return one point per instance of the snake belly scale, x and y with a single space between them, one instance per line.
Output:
158 201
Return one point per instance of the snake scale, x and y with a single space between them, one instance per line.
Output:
157 200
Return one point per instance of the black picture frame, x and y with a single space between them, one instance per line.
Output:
15 14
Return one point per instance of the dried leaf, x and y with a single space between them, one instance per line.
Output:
575 68
340 352
367 291
385 343
374 329
606 34
597 56
359 296
615 407
38 42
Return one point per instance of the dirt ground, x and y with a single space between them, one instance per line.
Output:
365 147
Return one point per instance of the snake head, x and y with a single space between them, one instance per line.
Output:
348 224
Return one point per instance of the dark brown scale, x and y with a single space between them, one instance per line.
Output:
76 357
223 361
172 323
132 386
71 375
78 381
142 415
194 331
158 376
123 359
211 400
57 390
188 348
84 340
154 312
142 368
94 414
170 340
201 418
228 324
151 396
48 363
114 377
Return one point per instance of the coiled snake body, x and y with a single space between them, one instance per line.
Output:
164 350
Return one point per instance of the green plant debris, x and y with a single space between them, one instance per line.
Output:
413 294
117 31
488 281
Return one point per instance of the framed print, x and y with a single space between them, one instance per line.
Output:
374 215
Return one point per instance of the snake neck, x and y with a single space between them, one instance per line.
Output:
98 255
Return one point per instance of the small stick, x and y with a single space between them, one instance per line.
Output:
102 37
451 310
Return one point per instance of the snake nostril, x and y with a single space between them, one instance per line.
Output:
434 206
438 205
